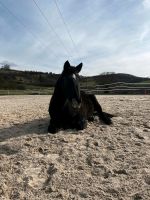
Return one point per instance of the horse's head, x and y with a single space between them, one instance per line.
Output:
70 85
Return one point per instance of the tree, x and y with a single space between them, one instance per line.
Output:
5 67
107 73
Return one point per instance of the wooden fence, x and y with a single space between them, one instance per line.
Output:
113 88
120 88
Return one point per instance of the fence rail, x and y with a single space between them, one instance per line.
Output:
120 88
47 91
113 88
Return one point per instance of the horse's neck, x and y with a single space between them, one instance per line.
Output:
58 94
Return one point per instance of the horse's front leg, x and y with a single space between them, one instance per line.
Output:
53 126
79 122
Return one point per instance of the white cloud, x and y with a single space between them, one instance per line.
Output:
146 4
136 64
144 33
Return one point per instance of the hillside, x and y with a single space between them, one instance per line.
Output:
113 78
21 80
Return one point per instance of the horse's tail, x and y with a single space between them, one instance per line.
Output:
105 118
109 115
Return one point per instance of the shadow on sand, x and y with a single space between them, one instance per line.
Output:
38 126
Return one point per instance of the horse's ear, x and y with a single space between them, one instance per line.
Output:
78 68
66 65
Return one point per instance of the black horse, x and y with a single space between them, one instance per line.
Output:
71 108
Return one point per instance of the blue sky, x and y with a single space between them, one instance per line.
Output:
109 35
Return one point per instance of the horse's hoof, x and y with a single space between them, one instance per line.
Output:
81 124
52 130
105 119
108 121
91 119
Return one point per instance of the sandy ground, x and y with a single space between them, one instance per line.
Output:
100 163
